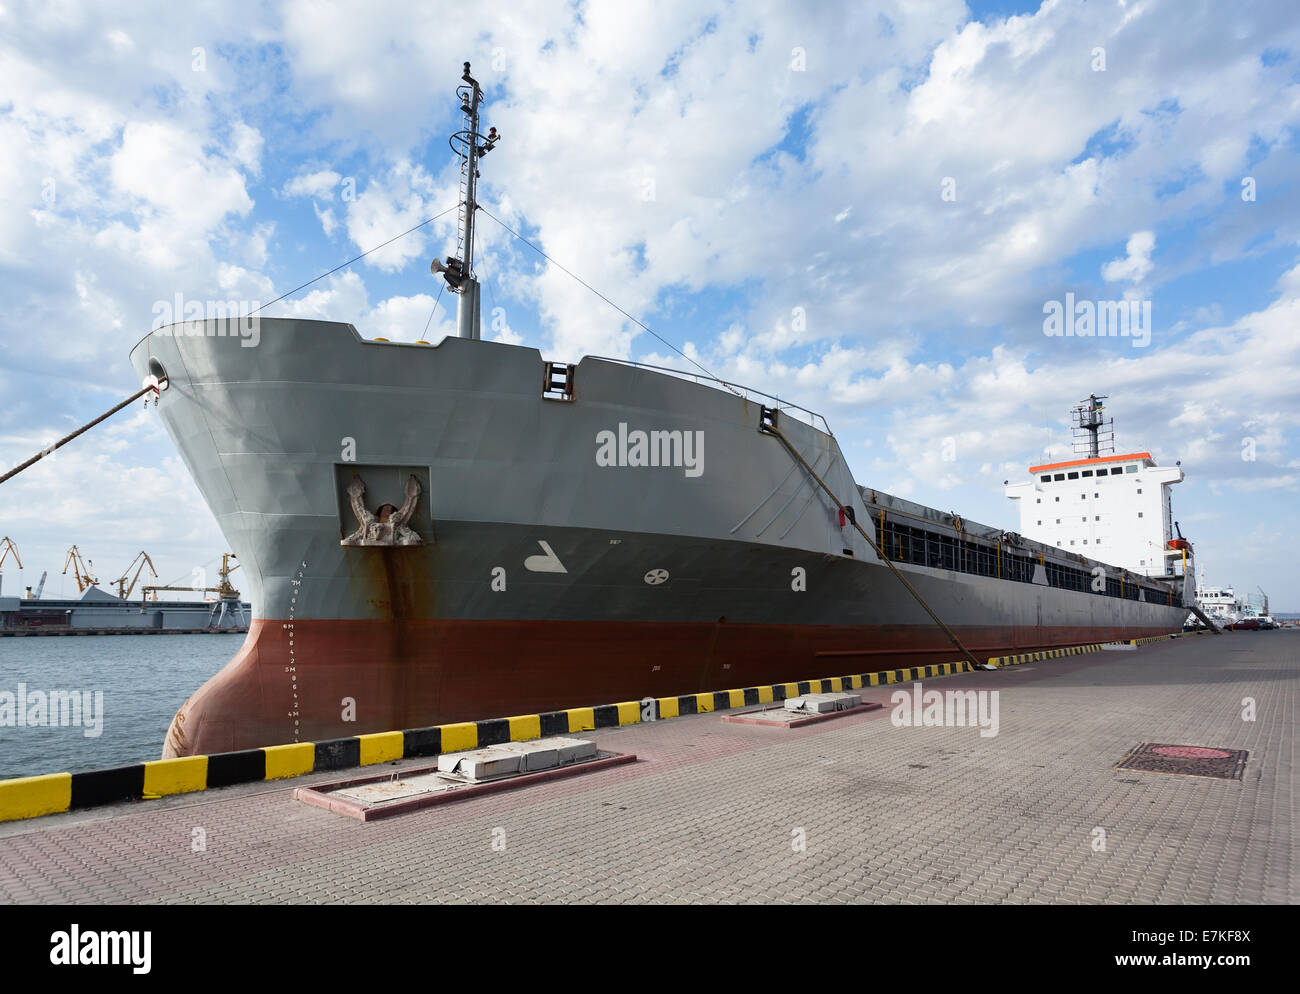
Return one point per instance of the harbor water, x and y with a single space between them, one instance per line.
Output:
128 687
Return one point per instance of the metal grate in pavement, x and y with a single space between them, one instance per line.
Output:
1186 760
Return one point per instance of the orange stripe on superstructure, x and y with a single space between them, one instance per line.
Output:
1089 462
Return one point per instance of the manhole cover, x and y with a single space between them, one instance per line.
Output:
1191 752
1192 761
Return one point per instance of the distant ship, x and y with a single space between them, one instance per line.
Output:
443 532
1220 604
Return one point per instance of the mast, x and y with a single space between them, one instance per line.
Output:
1092 430
458 270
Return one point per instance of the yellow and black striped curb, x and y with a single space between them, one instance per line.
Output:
30 797
1074 650
1161 638
1036 657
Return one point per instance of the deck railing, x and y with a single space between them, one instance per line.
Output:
748 393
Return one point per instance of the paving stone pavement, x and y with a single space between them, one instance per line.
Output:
712 812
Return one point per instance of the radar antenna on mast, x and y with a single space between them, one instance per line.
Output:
469 146
1093 432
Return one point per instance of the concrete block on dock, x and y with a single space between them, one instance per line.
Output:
540 754
572 750
480 764
513 758
822 703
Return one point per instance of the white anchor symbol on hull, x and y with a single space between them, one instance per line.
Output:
549 563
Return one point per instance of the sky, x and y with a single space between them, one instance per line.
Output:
868 208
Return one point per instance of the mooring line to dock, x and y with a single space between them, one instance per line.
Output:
84 428
769 428
143 390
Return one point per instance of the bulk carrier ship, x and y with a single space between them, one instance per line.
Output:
443 532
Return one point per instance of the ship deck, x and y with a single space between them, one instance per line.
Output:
711 811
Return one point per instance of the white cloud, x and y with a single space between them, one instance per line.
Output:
120 40
408 319
320 184
325 216
165 167
246 147
341 297
1135 266
391 203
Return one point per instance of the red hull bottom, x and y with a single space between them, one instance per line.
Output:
328 679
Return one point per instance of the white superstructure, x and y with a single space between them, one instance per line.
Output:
1115 508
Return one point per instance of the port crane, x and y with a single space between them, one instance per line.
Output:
40 588
81 570
6 548
124 591
227 595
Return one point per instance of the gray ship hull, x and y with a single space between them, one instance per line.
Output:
556 557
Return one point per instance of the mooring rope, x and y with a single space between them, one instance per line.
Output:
143 390
774 431
68 438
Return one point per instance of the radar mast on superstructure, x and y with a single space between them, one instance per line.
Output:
458 270
1093 432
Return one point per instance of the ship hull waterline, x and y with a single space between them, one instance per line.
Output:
549 564
453 671
599 633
